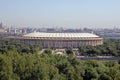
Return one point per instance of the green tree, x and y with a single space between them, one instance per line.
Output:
48 51
6 70
104 77
89 74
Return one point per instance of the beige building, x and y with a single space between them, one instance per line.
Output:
61 40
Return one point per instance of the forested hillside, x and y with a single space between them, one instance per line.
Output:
14 66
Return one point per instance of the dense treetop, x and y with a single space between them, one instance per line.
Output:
22 62
110 47
14 66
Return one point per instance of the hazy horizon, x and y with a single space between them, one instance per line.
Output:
62 13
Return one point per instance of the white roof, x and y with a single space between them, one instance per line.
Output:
57 35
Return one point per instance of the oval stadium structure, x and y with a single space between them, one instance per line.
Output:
61 40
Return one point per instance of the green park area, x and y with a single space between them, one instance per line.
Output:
22 62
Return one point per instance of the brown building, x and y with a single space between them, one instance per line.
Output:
61 40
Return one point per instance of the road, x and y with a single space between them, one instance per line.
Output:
99 59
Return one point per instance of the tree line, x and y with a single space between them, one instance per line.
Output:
110 47
7 45
15 66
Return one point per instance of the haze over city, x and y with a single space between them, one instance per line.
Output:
61 13
59 39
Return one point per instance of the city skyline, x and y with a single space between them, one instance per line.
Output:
62 13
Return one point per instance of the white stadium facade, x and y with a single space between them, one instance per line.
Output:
61 40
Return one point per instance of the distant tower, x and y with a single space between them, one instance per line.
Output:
1 25
92 32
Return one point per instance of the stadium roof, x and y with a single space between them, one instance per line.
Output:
59 35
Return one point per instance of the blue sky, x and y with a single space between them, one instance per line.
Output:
61 13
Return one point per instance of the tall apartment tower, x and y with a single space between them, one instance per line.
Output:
1 25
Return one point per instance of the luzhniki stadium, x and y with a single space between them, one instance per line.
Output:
61 40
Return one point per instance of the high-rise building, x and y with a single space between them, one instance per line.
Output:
1 25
